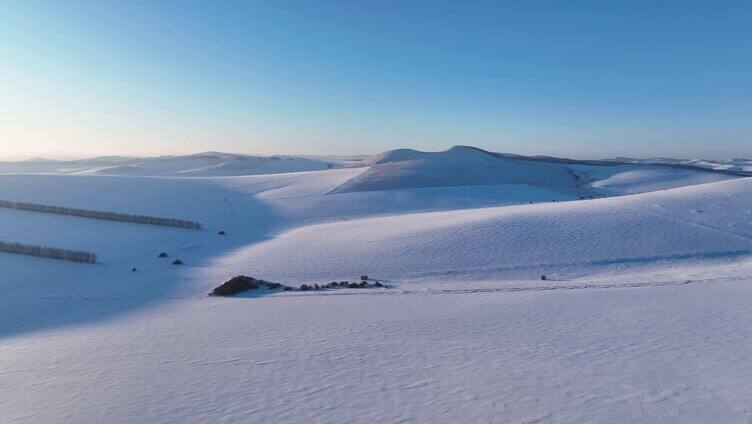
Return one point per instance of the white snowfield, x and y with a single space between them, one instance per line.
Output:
734 164
645 314
200 164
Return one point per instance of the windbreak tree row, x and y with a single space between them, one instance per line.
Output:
48 252
110 216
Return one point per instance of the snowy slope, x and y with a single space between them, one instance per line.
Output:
645 316
674 353
569 239
292 227
733 165
469 166
632 179
200 164
400 169
458 166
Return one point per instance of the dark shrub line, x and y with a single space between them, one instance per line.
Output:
48 252
110 216
242 283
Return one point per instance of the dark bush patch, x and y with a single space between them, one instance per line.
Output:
364 277
543 277
243 283
163 255
236 285
221 232
177 262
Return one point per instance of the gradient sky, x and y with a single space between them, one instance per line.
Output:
574 78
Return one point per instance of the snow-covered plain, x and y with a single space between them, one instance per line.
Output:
645 315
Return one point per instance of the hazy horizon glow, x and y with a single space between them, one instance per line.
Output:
581 79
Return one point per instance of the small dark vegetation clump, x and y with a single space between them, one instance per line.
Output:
177 262
543 277
162 255
362 284
221 232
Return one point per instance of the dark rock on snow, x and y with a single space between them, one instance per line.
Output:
236 285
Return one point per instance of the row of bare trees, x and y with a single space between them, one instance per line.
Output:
48 252
110 216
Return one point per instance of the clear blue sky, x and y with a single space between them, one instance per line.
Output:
576 78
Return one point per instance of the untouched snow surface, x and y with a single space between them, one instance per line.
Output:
645 315
405 169
567 239
201 164
735 164
469 166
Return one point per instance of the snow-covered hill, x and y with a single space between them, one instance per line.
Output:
408 169
644 312
731 165
570 239
470 166
200 164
